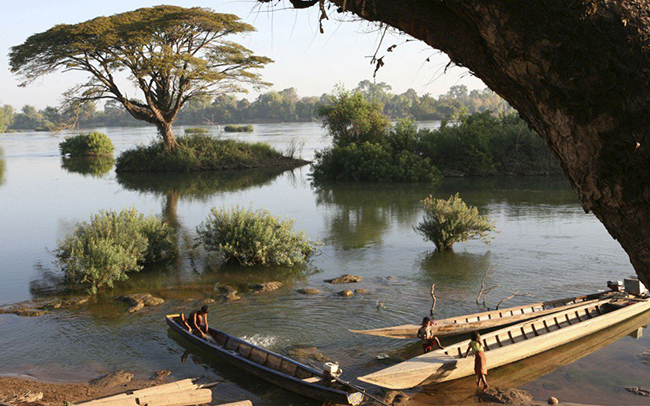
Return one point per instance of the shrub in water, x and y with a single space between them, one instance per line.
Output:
450 221
90 144
231 128
199 152
197 130
254 238
104 250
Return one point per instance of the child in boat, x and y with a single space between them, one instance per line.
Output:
425 333
195 319
480 364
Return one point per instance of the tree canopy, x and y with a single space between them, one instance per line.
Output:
171 54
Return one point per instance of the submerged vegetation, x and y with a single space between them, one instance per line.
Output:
112 244
89 144
199 152
233 128
251 238
447 222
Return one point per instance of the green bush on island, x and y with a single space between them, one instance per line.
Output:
197 131
200 152
233 128
447 222
104 250
248 237
90 144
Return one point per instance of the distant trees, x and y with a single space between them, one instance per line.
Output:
284 106
174 55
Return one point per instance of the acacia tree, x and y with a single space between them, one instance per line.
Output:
576 70
171 54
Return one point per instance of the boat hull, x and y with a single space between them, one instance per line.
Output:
275 377
436 367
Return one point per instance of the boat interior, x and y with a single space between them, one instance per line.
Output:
538 327
269 360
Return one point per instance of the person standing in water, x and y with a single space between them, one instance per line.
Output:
480 363
425 333
194 321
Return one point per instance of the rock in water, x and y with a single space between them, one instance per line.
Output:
265 287
137 301
644 357
344 279
396 398
345 293
113 379
361 291
308 291
553 401
506 396
639 391
163 373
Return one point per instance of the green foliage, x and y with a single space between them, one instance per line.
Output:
450 221
200 153
6 117
197 131
255 238
2 167
372 162
173 55
92 166
482 144
104 250
348 118
90 144
232 128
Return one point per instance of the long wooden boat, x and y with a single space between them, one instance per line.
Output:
486 320
511 343
274 368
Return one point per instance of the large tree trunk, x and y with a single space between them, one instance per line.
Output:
577 70
167 134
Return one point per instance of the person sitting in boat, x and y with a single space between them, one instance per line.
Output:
480 363
194 321
425 333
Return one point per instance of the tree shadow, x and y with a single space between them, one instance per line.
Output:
359 214
88 166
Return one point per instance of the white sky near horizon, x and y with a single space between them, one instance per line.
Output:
310 62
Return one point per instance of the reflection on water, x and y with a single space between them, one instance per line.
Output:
2 167
92 166
547 245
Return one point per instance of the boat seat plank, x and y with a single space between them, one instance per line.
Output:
312 379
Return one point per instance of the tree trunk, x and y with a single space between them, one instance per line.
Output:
167 134
577 71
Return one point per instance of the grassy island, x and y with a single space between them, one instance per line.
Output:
234 128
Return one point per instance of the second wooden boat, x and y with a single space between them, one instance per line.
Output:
486 320
274 368
511 343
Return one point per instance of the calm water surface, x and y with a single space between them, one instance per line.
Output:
547 246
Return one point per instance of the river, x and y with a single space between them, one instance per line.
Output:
546 247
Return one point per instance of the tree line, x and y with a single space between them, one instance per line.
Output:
273 106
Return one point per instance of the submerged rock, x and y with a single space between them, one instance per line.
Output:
137 301
230 297
638 391
265 287
306 352
506 396
113 379
308 291
207 301
344 279
644 357
23 311
163 373
345 293
396 398
361 291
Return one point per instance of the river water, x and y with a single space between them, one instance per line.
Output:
546 247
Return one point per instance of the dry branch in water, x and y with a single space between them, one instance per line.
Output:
433 298
510 297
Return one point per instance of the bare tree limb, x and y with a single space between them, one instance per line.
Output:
433 299
510 297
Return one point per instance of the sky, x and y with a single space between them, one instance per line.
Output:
306 60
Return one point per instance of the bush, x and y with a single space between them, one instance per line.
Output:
350 118
254 238
90 144
198 152
372 162
104 250
232 128
197 131
450 221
